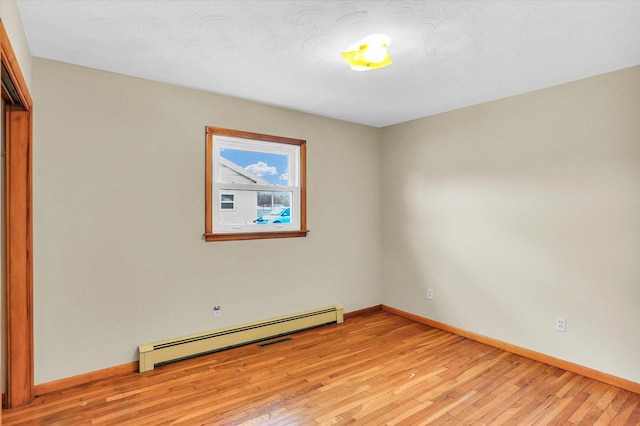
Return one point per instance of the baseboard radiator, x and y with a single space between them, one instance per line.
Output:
166 351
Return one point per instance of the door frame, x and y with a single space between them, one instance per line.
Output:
18 206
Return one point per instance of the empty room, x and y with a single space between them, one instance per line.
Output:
320 212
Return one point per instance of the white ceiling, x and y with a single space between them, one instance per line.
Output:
447 54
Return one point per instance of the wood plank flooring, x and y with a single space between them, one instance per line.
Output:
375 369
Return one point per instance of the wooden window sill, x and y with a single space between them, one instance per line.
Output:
237 236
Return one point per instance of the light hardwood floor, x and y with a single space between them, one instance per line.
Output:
374 369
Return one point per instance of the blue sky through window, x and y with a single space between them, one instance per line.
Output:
271 167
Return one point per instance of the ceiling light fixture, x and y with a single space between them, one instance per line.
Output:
371 53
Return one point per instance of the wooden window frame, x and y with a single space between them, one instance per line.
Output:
210 234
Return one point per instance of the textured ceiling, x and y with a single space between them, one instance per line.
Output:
447 54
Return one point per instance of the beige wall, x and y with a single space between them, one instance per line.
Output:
513 212
119 218
518 211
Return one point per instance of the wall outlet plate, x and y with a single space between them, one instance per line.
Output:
217 312
430 294
561 324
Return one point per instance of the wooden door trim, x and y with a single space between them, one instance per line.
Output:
18 309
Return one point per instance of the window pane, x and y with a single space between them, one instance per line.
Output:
257 207
254 167
274 207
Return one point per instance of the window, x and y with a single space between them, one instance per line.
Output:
226 202
255 186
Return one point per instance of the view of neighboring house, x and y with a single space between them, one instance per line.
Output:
238 207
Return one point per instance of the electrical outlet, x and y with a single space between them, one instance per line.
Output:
561 324
217 312
430 294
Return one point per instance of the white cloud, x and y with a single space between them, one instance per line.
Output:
285 176
261 168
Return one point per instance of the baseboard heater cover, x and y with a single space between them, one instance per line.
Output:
153 354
